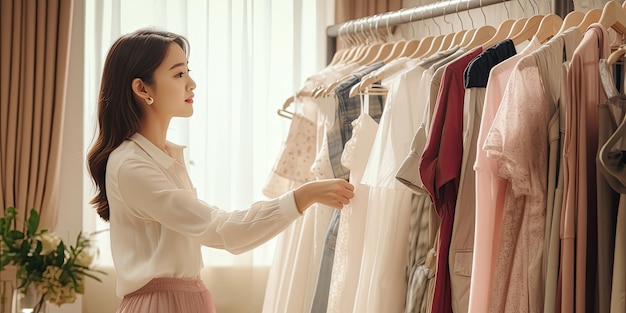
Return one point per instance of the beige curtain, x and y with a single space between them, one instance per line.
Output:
34 59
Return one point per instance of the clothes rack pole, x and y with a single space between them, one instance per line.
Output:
408 15
399 17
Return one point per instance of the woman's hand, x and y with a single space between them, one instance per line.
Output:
331 192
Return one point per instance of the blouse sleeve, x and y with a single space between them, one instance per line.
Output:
150 194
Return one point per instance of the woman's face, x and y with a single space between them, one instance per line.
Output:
172 89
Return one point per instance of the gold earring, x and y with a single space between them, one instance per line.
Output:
149 100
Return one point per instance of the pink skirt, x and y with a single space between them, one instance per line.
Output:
169 295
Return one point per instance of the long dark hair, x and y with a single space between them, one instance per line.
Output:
135 55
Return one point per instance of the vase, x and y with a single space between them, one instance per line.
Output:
29 302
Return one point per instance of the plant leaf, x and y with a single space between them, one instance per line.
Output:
33 222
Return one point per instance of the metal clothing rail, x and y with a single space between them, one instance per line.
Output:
403 16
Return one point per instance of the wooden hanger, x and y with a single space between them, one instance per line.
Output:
300 93
365 82
467 37
425 44
369 52
443 44
397 49
529 30
482 34
343 38
283 110
517 27
613 16
572 19
549 26
616 55
501 34
446 42
383 53
326 90
434 45
592 16
410 47
358 41
458 37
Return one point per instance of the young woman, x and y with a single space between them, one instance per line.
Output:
157 223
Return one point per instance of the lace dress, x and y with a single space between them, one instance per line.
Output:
349 245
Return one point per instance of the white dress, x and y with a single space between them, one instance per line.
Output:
349 245
291 281
382 279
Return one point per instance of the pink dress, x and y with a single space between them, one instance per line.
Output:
489 198
517 138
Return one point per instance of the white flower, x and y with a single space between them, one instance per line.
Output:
84 258
49 242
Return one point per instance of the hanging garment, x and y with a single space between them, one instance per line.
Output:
336 136
490 197
421 272
581 131
441 165
462 240
611 202
518 139
609 117
382 280
299 248
349 246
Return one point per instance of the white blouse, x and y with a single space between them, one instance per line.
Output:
158 224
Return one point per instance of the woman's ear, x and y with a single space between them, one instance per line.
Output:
140 89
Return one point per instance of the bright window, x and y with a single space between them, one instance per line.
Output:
246 57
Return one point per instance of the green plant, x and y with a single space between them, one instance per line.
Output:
57 271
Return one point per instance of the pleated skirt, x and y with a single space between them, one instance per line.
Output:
169 295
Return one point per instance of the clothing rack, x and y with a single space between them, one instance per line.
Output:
403 16
399 17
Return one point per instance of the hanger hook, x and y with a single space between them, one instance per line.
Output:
374 31
424 21
363 32
433 18
480 5
508 16
470 15
522 7
444 16
389 34
402 21
412 25
344 35
347 35
533 4
458 15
